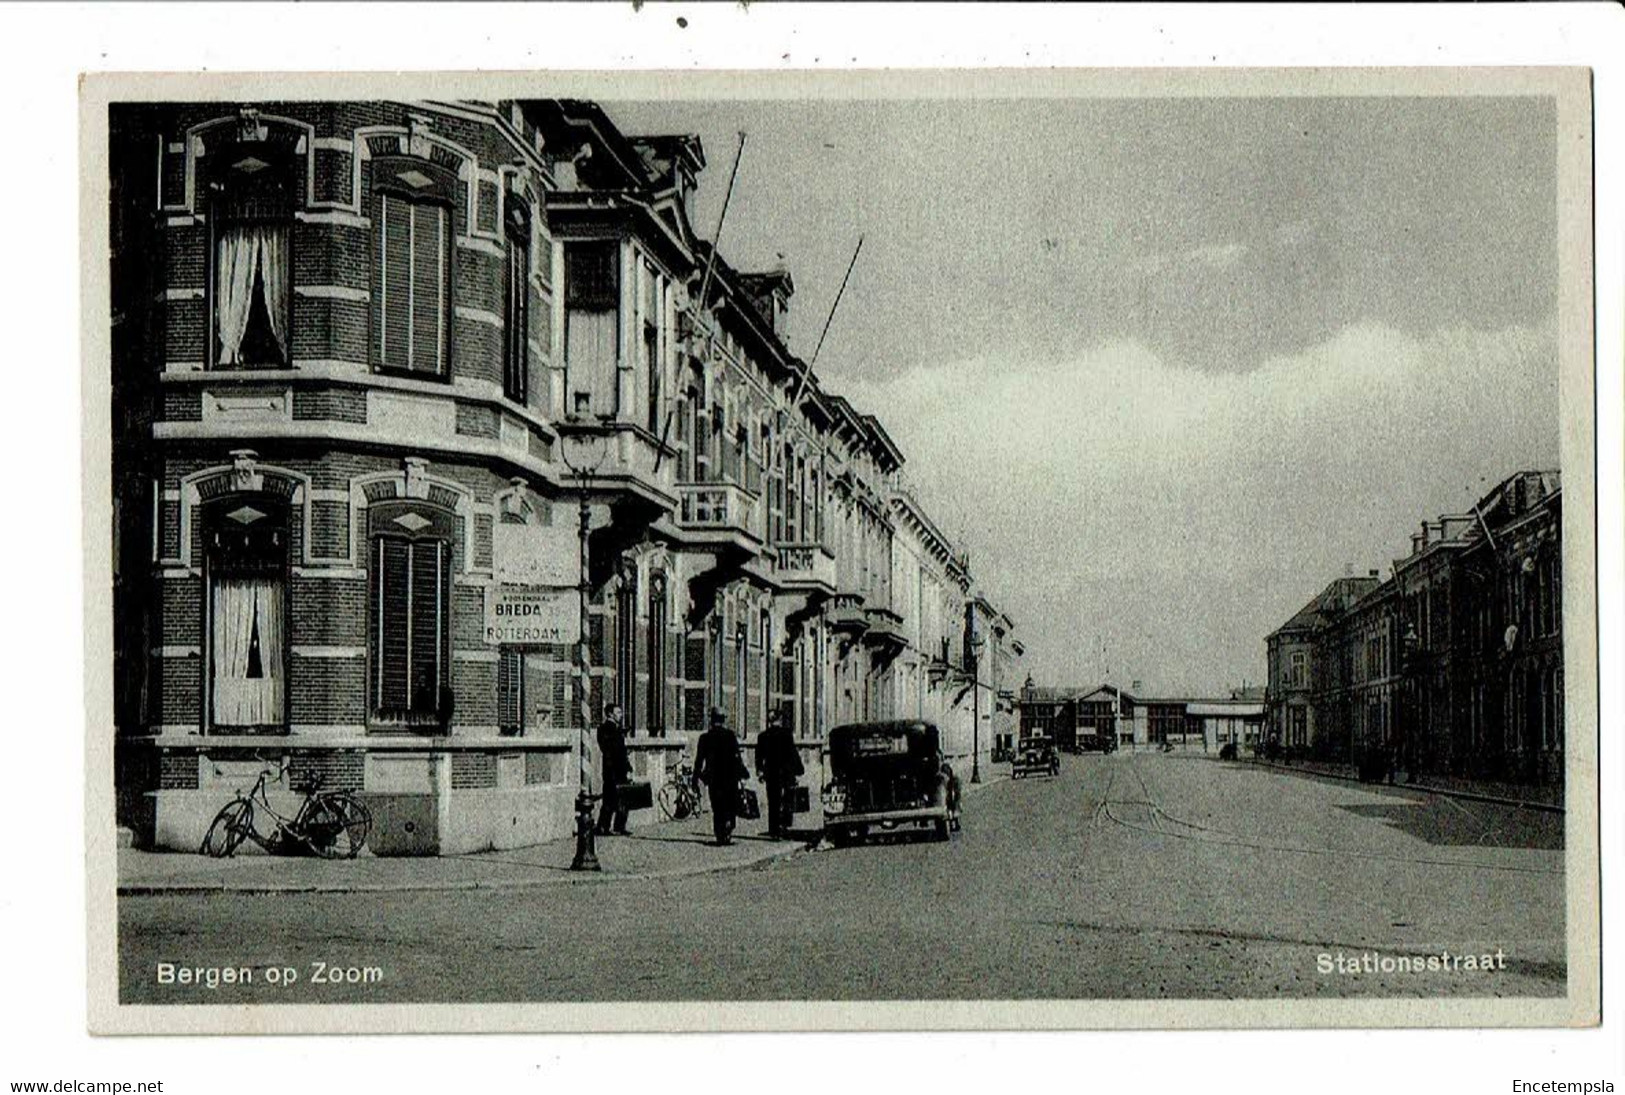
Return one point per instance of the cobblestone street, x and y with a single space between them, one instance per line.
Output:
1128 876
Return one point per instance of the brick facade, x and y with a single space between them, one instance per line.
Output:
325 458
1453 665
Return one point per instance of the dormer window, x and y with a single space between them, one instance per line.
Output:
252 213
412 227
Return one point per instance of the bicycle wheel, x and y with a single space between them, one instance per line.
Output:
672 806
229 829
336 825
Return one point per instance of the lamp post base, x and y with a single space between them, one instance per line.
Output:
586 858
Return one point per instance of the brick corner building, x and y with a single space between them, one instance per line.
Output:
379 369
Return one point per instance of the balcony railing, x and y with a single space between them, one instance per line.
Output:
718 507
805 566
845 613
885 629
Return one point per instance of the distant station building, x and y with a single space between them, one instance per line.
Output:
1106 717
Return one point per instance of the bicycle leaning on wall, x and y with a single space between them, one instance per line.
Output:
680 795
330 824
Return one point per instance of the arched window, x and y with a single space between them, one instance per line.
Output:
409 606
413 264
246 564
626 647
253 193
516 303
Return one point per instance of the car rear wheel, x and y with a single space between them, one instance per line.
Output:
940 831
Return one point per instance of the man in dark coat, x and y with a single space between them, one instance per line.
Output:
778 766
615 768
717 761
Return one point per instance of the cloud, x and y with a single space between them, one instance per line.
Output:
1181 515
1210 257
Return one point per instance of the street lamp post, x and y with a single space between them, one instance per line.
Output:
975 724
585 428
1411 689
973 649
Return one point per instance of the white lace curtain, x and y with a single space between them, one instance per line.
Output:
244 250
249 652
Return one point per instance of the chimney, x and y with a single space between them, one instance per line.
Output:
770 293
1373 574
672 160
1136 688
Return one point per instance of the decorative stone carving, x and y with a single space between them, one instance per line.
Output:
417 477
249 126
245 475
417 142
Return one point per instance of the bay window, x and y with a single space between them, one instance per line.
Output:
592 298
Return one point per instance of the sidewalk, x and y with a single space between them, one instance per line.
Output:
1527 796
670 850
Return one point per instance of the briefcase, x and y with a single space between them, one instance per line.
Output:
749 808
800 799
636 795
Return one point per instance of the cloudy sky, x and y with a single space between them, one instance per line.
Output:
1165 366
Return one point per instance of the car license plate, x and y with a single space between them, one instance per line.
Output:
835 803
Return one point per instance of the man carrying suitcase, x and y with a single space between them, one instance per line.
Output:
778 766
615 769
717 761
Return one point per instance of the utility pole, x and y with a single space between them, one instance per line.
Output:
801 385
700 311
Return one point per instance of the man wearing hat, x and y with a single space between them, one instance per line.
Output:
718 762
778 765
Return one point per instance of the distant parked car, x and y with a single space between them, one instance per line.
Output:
1035 757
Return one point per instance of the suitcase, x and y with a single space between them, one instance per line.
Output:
800 799
750 808
637 795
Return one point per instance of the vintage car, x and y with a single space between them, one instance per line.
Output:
888 777
1035 756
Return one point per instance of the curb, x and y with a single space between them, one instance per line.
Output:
1426 788
160 889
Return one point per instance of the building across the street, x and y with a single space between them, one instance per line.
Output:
1451 666
392 383
1106 717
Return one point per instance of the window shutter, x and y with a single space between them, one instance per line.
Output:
389 633
510 684
411 279
426 623
428 288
